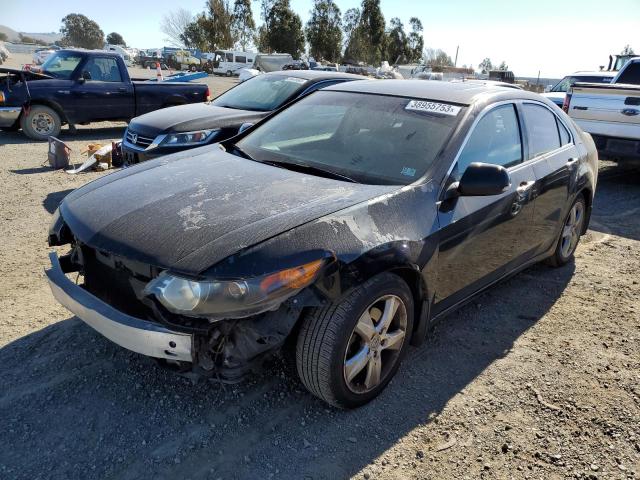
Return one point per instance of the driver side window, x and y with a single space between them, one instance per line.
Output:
496 139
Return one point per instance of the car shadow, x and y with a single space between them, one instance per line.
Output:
33 170
53 199
79 406
88 134
616 207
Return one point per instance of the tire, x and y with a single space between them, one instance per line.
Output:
329 348
193 68
229 73
41 123
572 230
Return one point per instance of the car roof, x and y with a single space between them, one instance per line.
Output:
85 51
464 93
587 73
316 75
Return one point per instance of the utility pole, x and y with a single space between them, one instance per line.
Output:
455 64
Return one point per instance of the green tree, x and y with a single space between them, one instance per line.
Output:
627 50
397 44
372 30
324 31
284 29
354 48
503 66
211 30
194 34
485 65
114 38
415 40
243 25
3 37
80 31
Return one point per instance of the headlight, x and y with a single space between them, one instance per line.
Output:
188 138
231 298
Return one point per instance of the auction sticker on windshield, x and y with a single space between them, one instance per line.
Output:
433 107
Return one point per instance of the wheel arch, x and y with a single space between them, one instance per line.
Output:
52 105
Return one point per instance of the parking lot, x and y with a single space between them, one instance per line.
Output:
538 378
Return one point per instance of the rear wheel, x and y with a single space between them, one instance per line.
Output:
348 351
229 73
41 123
570 235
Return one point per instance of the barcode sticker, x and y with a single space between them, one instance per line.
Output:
433 107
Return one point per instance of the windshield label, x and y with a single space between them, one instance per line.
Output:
408 172
295 80
433 107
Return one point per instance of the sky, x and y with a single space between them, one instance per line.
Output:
551 36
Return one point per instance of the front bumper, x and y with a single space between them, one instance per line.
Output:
132 333
9 115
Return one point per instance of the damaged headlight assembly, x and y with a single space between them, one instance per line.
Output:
219 299
184 139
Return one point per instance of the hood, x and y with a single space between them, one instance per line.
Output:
27 74
188 211
187 118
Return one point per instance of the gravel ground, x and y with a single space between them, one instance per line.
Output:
537 378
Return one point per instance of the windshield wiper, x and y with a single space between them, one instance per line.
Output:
304 168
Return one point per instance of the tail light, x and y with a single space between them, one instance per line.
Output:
207 94
567 101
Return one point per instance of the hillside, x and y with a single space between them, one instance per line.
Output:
13 36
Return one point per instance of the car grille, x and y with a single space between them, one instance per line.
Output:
138 140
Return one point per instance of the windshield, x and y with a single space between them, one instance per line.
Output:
564 84
369 138
61 64
262 93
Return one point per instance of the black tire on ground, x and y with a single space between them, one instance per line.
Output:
193 68
229 73
41 123
326 337
572 229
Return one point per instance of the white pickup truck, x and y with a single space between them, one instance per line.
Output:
610 112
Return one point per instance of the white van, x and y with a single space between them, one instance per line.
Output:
228 62
126 56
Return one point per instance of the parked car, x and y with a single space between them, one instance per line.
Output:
189 126
558 92
610 112
339 228
82 86
41 54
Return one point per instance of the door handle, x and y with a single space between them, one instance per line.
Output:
122 89
630 112
525 187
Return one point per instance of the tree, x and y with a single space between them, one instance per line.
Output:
174 24
627 50
372 30
354 49
80 31
324 31
437 58
3 37
397 44
211 30
115 38
503 66
283 29
415 40
243 25
195 34
485 65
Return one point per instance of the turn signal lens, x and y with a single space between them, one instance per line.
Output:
294 278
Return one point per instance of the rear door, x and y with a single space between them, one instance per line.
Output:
482 238
105 94
554 158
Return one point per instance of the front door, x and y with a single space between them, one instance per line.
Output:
482 238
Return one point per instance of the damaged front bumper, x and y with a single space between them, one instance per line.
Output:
132 333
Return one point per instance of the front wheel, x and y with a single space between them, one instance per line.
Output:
348 351
570 235
41 123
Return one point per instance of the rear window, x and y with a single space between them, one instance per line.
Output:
262 93
542 130
564 84
370 138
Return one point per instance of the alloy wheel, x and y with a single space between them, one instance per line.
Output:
43 123
375 344
572 229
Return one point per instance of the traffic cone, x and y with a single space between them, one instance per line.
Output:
159 77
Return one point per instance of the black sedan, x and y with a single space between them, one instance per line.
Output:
189 126
337 231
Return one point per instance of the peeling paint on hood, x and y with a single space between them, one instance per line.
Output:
187 212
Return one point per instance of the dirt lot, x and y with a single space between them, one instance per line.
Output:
538 378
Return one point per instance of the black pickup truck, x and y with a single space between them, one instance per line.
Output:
83 86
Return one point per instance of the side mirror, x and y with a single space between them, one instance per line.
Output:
483 179
245 126
84 77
